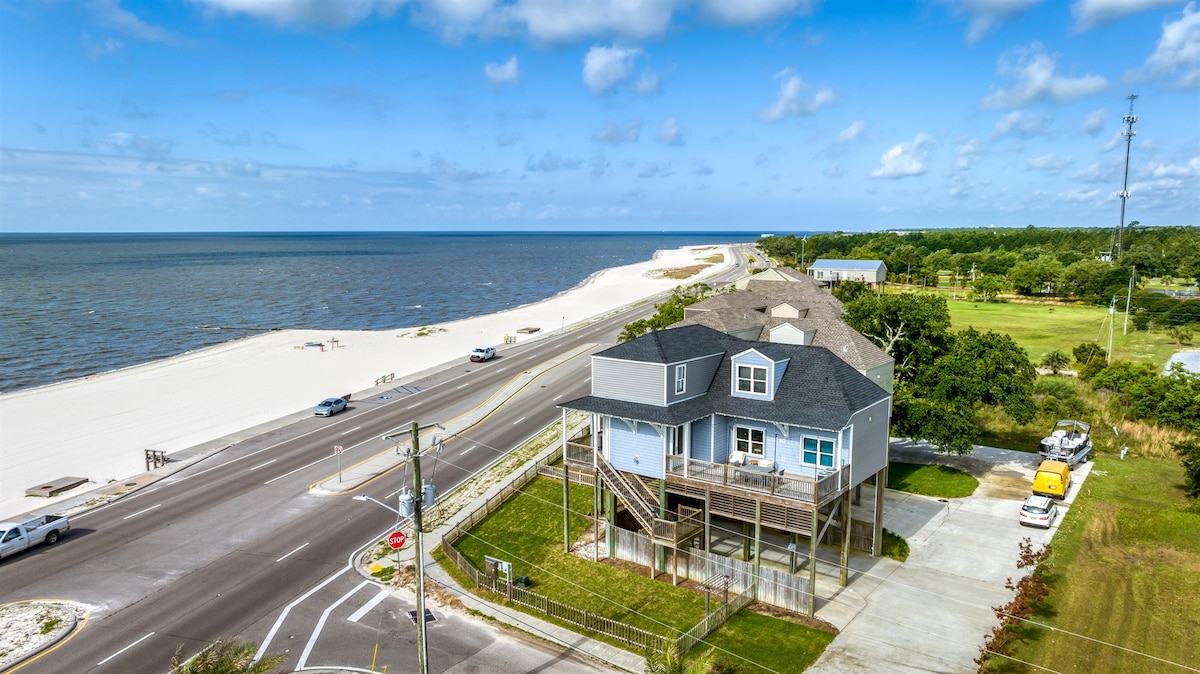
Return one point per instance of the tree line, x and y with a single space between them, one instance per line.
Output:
1073 264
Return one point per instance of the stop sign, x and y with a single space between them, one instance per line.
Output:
397 539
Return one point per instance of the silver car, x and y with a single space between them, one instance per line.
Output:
329 406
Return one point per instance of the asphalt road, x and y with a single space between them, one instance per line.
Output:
236 545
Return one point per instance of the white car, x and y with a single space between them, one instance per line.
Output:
1039 511
329 407
482 353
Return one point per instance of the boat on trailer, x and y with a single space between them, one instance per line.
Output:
1070 442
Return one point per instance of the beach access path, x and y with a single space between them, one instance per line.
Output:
99 427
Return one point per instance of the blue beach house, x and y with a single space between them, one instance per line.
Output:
691 422
871 272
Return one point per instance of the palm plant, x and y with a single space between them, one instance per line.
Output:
226 657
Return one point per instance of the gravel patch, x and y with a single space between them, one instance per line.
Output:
26 628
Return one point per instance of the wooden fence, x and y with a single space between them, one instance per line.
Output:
774 586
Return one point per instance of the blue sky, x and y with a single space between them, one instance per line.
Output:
748 115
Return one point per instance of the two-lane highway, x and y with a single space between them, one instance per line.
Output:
230 545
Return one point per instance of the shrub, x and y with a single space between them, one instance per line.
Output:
1189 453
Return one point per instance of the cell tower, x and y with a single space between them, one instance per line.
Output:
1129 133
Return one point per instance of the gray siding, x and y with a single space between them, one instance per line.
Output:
630 381
883 375
699 376
869 454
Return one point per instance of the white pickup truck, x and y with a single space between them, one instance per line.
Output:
18 536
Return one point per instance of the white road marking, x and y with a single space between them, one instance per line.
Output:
502 369
130 498
518 421
351 430
261 465
468 449
307 465
139 513
312 641
412 406
124 649
366 608
462 386
291 553
557 396
282 616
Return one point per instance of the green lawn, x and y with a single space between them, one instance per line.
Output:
1126 570
930 480
527 531
767 644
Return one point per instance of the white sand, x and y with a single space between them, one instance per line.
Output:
97 427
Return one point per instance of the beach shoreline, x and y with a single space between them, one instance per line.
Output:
97 426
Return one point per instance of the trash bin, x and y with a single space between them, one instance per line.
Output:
522 581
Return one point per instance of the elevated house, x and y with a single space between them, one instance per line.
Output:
871 272
692 422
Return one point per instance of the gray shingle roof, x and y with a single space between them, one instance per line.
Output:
818 389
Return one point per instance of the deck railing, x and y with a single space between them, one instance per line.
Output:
806 489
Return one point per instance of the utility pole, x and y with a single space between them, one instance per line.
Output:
1112 308
425 496
1129 133
1128 297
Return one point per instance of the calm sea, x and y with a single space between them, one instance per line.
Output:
75 304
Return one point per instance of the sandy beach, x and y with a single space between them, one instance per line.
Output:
97 427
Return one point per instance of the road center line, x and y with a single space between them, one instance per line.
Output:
462 386
467 449
351 430
124 649
518 421
367 607
261 465
139 513
307 465
321 625
412 406
291 553
558 396
282 616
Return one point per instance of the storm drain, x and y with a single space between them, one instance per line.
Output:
412 615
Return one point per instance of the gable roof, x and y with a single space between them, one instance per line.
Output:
861 265
669 346
818 389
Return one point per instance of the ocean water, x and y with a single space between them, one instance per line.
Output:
77 304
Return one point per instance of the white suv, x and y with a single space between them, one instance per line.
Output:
482 353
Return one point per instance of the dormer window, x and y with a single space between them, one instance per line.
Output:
751 379
680 379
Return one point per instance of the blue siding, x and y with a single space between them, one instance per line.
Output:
646 445
780 368
701 434
754 359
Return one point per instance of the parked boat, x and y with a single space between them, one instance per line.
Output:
1069 442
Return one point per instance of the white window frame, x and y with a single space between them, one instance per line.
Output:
751 380
748 443
680 379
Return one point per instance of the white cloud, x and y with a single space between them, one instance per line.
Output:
1022 124
906 159
451 170
852 132
655 170
967 151
124 143
1033 70
599 165
648 83
615 134
1178 50
835 170
328 13
97 47
507 139
503 73
1091 13
1079 196
550 162
748 12
112 16
557 22
604 67
984 15
1094 122
670 132
789 101
1049 162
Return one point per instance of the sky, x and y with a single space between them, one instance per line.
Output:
569 115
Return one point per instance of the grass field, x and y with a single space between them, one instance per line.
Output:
930 480
527 531
1126 570
1041 328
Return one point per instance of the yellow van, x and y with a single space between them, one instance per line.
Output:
1053 479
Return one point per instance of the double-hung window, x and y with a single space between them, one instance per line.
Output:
749 440
751 379
818 452
680 379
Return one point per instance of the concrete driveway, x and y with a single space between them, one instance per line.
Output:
932 613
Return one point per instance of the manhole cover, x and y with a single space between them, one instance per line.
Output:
412 615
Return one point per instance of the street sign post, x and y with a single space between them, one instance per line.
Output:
337 451
397 539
